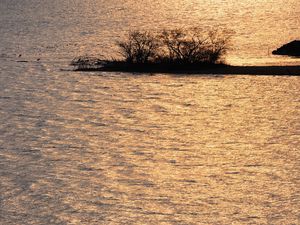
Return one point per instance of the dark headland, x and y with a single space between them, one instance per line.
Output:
290 49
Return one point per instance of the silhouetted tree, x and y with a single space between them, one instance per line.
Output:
168 48
194 46
139 47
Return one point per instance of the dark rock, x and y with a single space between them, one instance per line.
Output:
290 49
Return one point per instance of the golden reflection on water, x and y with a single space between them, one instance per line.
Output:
259 27
153 150
111 148
64 29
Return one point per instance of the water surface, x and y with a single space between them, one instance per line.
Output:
122 148
62 29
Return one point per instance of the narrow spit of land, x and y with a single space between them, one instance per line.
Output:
217 69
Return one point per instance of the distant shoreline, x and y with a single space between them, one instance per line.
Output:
217 70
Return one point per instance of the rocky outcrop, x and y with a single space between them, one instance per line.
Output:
290 49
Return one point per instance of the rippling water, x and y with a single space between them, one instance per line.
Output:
113 148
61 29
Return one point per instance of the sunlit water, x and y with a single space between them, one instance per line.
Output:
115 148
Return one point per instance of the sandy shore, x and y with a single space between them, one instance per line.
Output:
222 70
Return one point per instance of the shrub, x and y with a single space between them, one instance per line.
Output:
140 47
180 46
194 46
86 62
218 45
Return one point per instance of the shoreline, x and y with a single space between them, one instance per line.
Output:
217 70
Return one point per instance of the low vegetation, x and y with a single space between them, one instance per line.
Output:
139 47
176 49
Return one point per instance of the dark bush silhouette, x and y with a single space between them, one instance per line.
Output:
194 46
184 46
140 47
86 62
218 44
177 49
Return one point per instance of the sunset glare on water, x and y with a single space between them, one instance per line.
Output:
136 147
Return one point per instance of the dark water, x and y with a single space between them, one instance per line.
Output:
113 148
